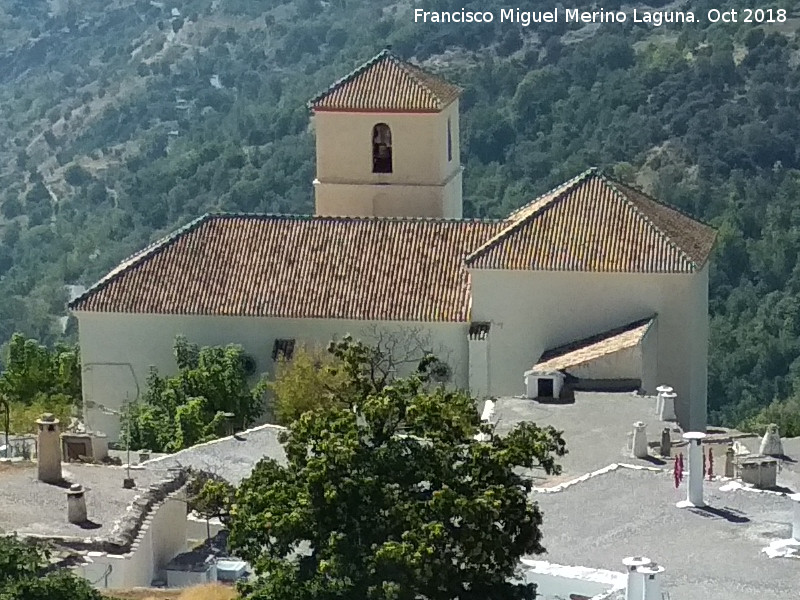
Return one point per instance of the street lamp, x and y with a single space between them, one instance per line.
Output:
128 483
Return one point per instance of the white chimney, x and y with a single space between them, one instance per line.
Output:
662 389
771 444
634 588
694 495
796 517
639 440
76 504
651 580
668 406
49 449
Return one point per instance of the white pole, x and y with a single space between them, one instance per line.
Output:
694 494
796 517
634 589
651 580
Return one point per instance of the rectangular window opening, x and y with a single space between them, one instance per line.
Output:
283 348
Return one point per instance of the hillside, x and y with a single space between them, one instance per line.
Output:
124 119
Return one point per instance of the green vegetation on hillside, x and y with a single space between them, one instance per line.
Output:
121 122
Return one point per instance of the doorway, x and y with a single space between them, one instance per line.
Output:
545 388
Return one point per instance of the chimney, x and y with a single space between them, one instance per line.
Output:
668 406
796 517
730 463
694 495
634 588
76 504
651 579
662 389
771 443
49 449
639 440
666 442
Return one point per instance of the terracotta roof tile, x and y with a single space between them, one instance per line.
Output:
593 223
299 267
388 83
597 346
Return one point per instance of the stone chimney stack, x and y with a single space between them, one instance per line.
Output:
694 496
76 504
639 440
634 589
651 579
49 449
662 389
668 407
771 444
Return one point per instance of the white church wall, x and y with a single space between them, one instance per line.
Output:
142 340
531 312
425 180
399 200
419 146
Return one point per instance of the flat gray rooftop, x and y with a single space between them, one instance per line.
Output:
595 426
231 457
711 554
31 507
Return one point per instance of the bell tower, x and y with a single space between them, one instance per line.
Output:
388 143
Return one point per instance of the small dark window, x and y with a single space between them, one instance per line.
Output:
545 388
449 141
381 148
283 349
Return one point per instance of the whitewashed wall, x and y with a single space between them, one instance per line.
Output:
531 312
145 340
161 538
423 181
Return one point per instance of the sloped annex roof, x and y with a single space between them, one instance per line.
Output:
299 267
594 223
387 83
582 351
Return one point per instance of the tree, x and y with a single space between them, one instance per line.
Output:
39 379
393 496
210 495
194 405
304 382
24 576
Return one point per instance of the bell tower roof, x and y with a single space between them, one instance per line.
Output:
387 83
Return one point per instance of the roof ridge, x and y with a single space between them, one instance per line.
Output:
404 65
621 195
552 190
312 217
352 74
137 257
505 232
677 209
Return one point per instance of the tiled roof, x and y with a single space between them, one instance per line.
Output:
593 223
299 267
387 83
597 346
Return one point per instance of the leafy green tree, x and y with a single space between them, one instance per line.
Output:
394 497
193 406
210 495
23 575
33 370
305 382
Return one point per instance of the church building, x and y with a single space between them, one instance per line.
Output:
592 285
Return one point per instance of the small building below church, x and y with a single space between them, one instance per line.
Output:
592 285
